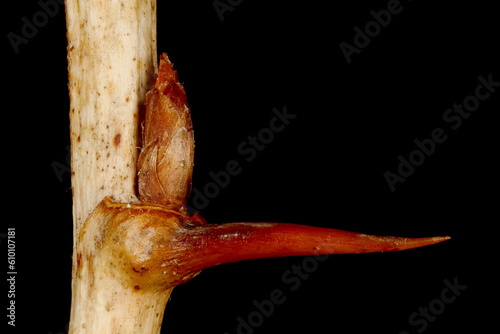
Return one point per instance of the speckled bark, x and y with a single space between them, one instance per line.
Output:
112 59
111 62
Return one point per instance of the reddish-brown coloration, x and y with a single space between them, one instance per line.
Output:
117 139
78 259
160 246
215 244
165 164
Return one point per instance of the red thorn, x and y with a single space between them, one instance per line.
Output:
232 242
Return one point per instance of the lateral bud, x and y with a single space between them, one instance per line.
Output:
165 164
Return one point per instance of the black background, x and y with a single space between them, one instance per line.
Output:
324 169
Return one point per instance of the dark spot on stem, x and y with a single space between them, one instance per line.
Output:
117 139
78 259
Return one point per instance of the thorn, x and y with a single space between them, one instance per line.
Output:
225 243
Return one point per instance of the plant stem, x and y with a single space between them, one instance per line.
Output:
112 58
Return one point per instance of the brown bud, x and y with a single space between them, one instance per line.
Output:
165 163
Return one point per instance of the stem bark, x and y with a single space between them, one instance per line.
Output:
112 59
